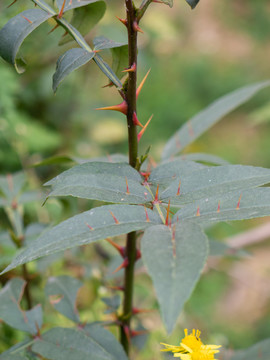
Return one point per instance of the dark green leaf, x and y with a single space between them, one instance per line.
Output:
69 61
11 313
101 181
75 231
215 181
16 30
174 259
55 160
253 203
201 122
259 351
192 3
62 292
112 303
70 344
104 67
85 18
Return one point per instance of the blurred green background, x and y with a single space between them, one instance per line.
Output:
195 57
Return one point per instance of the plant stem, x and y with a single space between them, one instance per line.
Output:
131 100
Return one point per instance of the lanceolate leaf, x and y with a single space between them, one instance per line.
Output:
70 344
104 67
73 4
238 205
208 117
214 181
43 5
192 3
62 292
174 259
110 182
96 224
260 351
10 311
71 60
16 30
85 18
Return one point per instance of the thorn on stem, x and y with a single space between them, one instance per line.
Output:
123 21
131 69
120 249
122 266
142 83
123 107
136 120
144 128
136 27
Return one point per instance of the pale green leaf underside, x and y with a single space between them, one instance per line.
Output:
253 203
259 351
70 344
174 265
201 122
66 289
110 182
215 181
75 231
73 4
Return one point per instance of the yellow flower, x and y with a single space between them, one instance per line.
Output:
192 348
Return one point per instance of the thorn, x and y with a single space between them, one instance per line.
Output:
120 107
138 332
114 218
119 288
198 212
123 265
54 28
136 27
138 254
218 208
123 21
120 249
30 22
127 332
145 174
156 196
62 10
90 227
146 213
142 83
136 311
238 204
12 3
97 51
108 85
131 69
136 121
168 212
178 190
128 192
143 129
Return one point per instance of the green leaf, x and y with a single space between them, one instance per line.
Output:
259 351
104 67
73 4
113 303
253 203
218 248
204 158
174 259
192 3
55 160
101 181
16 30
62 292
12 357
68 62
43 5
215 181
12 185
85 18
168 2
75 231
201 122
11 313
70 344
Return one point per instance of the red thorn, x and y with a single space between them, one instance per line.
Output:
119 288
62 10
127 332
54 28
145 174
123 265
178 190
108 85
70 2
120 107
136 311
136 121
123 21
138 254
114 218
131 69
119 248
168 211
157 1
12 3
138 332
146 213
128 192
198 212
136 27
190 130
218 208
30 22
144 128
238 204
156 196
142 83
65 34
90 227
